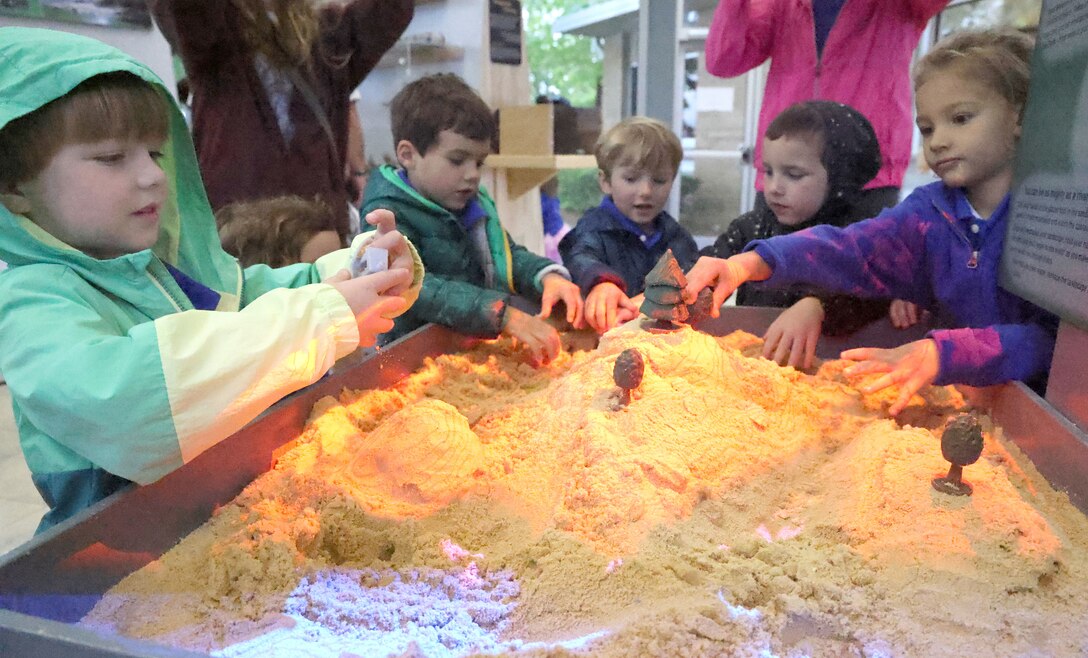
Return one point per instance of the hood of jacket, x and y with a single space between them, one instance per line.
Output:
389 187
38 66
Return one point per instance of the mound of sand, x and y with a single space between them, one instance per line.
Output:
732 508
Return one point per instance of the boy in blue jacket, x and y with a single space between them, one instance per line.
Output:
615 245
940 248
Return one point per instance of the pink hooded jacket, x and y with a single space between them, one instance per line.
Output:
865 63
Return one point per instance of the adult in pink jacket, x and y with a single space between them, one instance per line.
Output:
856 52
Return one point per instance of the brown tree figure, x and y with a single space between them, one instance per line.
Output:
627 373
664 295
961 444
699 310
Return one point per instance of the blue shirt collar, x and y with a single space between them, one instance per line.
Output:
648 239
964 216
202 297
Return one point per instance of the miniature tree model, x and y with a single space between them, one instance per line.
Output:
627 373
961 444
699 310
664 301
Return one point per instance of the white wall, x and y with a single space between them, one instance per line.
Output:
461 22
148 46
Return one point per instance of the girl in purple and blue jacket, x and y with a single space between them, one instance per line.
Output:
941 247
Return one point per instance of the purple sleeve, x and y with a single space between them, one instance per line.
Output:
994 354
879 257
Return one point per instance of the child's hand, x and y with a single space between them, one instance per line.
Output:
558 289
384 219
603 304
539 337
391 240
903 314
912 366
791 339
725 275
372 299
624 315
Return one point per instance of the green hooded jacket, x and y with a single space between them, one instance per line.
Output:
114 377
455 292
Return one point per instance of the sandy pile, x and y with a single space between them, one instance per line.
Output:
733 508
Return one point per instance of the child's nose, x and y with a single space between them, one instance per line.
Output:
151 174
772 185
938 139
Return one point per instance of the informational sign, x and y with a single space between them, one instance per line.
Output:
1046 248
506 31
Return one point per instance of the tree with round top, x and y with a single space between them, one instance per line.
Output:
961 444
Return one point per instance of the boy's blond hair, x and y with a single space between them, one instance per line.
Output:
272 231
639 141
1000 57
109 106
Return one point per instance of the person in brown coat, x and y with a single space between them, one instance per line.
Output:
270 82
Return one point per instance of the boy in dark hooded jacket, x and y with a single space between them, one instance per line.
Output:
818 155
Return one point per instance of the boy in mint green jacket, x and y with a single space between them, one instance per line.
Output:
442 133
130 341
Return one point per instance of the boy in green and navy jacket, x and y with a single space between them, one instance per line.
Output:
442 133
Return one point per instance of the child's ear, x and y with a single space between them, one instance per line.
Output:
406 153
604 182
15 201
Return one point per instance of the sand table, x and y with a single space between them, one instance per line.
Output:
733 508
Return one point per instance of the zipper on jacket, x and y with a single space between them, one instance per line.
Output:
972 261
154 276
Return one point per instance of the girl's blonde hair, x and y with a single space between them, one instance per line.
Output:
284 31
1001 58
639 141
109 106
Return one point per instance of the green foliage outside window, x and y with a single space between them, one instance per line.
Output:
560 64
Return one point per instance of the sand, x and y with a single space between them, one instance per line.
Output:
733 508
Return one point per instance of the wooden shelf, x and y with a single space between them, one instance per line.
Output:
524 172
500 161
526 151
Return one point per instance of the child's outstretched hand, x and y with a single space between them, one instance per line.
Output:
559 289
538 337
912 366
725 276
791 339
372 299
604 304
